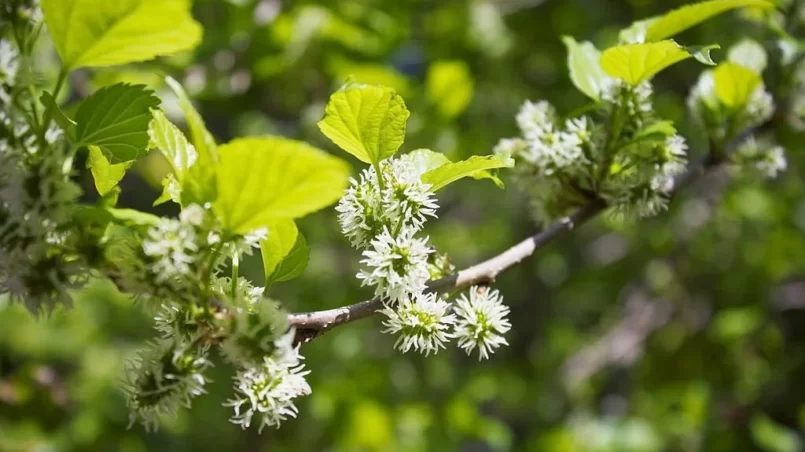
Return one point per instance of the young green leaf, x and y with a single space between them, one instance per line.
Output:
172 143
476 166
264 180
636 63
424 160
688 16
107 33
449 86
368 121
115 118
105 174
66 124
584 63
199 184
284 252
748 53
734 84
771 436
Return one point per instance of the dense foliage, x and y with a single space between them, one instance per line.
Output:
166 200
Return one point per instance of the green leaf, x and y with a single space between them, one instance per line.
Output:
702 53
688 16
734 84
425 160
106 175
268 179
172 143
748 53
285 253
171 191
66 124
115 118
107 33
199 185
636 32
584 63
449 86
636 63
658 130
475 166
368 121
773 437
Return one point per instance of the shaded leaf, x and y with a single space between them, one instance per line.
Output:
66 124
115 118
285 252
105 175
584 63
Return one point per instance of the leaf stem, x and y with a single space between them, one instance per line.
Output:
379 175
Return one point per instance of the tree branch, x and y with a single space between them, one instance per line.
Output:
310 325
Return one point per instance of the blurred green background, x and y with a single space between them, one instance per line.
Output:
685 332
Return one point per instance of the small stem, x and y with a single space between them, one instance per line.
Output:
380 181
48 115
235 269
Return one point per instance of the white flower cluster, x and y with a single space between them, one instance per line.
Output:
268 391
165 377
482 321
766 158
565 167
546 146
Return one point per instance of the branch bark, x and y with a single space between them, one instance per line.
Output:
310 325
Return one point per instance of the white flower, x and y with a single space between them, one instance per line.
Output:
703 94
536 119
172 245
423 322
760 105
510 146
9 62
192 214
674 163
404 202
396 266
773 162
268 391
482 321
551 149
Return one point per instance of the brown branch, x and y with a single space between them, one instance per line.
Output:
310 325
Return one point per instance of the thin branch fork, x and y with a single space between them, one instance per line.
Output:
310 325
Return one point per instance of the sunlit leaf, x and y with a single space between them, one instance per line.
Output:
66 124
636 63
584 63
172 143
474 166
449 86
368 121
112 32
734 84
688 16
264 180
115 118
105 174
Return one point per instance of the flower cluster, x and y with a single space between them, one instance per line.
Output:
482 321
268 391
762 156
566 164
382 216
165 377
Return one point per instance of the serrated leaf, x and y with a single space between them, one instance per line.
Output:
264 180
112 32
169 140
734 84
115 118
475 166
636 63
66 124
688 16
200 184
449 86
584 63
368 121
105 174
748 53
285 253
